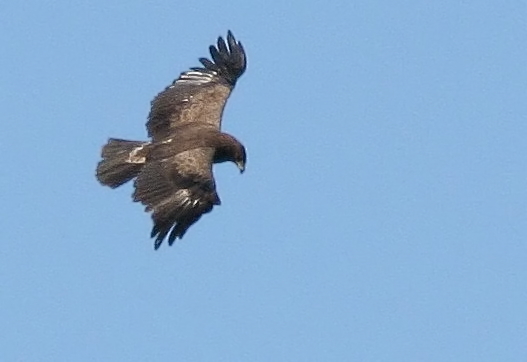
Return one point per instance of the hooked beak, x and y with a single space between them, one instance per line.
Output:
241 166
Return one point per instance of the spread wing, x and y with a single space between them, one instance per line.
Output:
177 190
199 94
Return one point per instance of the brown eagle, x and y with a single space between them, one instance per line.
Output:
173 171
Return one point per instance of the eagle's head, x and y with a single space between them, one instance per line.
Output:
230 149
240 158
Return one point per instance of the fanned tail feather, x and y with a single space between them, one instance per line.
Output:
122 160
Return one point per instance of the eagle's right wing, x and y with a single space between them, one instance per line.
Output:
199 95
177 190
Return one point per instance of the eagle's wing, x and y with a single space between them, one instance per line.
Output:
177 190
199 94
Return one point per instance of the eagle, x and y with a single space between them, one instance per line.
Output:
172 172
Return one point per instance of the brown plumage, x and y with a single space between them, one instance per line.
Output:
173 172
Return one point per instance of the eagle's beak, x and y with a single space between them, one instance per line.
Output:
241 166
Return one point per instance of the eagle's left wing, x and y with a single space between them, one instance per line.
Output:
199 95
177 190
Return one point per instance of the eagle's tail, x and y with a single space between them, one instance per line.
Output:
122 160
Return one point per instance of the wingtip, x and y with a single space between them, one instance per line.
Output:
222 47
171 240
176 233
154 232
229 57
230 38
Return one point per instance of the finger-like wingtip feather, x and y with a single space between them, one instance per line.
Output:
208 64
159 235
222 47
173 236
229 58
228 63
231 39
216 55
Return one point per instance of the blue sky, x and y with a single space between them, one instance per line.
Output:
382 215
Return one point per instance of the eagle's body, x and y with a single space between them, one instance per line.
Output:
173 172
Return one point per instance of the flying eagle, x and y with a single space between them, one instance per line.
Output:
173 171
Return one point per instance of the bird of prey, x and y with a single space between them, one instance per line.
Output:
173 171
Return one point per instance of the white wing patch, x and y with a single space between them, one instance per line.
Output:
195 77
133 158
186 195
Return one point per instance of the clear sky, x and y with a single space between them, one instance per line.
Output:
382 215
